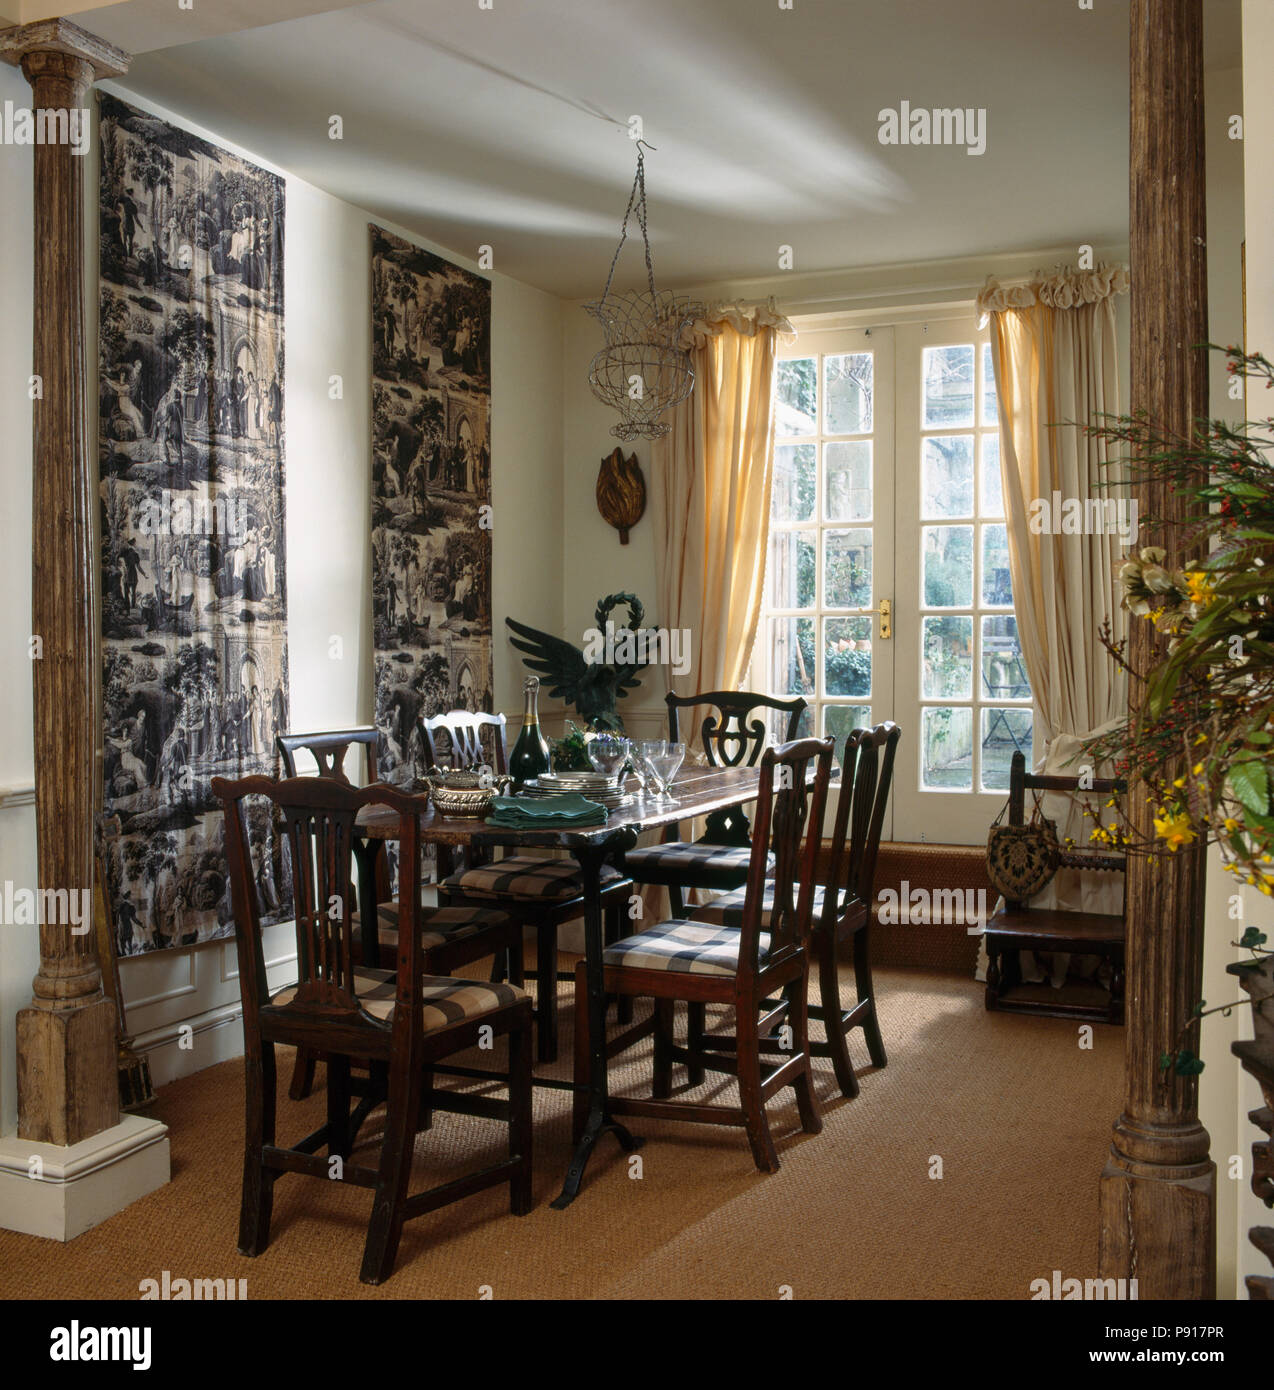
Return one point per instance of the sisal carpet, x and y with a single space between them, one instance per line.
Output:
1018 1115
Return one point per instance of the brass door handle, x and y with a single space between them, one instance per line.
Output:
886 619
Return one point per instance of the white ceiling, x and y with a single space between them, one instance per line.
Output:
508 126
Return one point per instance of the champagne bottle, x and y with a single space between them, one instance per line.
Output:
530 754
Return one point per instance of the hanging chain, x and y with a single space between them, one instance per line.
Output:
638 196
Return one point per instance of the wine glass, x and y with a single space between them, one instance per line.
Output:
608 753
662 761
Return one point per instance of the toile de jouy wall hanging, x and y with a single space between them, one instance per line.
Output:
193 571
431 494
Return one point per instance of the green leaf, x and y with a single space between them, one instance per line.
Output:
1251 787
1252 937
1260 737
1188 1064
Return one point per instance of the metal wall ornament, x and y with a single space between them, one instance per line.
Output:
621 492
642 370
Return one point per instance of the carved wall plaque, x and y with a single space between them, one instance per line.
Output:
621 492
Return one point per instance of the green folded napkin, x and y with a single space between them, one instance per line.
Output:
526 813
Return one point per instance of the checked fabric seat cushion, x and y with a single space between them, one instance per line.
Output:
681 856
441 925
691 948
727 910
447 1001
524 876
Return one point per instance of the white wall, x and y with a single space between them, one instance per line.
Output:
328 459
1226 1093
1220 1085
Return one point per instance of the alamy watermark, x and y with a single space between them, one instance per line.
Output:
54 125
1108 1290
647 646
957 125
46 907
169 515
901 906
76 1343
194 1290
1089 516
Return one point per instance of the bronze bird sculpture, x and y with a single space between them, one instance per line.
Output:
590 684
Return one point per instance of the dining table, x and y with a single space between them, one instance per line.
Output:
697 791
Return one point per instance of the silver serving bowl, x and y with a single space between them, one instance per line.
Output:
463 792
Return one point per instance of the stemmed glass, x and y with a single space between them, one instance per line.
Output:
608 753
661 761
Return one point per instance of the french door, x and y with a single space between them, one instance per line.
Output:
887 589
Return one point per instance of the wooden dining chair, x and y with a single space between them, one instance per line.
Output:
844 901
538 893
767 956
733 736
464 739
454 936
330 752
398 1023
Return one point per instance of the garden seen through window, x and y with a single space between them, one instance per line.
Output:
887 486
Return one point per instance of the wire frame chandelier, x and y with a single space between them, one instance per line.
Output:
642 370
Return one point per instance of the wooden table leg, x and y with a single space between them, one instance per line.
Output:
365 853
600 1121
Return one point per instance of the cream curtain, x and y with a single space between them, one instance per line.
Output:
711 507
711 494
1056 369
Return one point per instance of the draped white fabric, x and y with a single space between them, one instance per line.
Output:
1056 372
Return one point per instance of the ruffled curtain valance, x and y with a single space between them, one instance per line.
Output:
745 319
1063 289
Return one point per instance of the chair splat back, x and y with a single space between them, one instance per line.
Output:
789 819
329 750
473 740
727 737
866 776
318 816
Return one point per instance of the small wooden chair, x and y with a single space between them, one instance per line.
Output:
766 956
535 892
1019 927
453 936
844 901
718 860
398 1023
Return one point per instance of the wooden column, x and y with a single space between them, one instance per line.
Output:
1158 1189
67 1084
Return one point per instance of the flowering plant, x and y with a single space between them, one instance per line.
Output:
1202 737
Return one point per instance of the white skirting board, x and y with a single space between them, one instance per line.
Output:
174 1050
48 1190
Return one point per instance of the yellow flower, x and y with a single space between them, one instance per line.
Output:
1231 824
1199 587
1196 769
1174 829
1203 738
